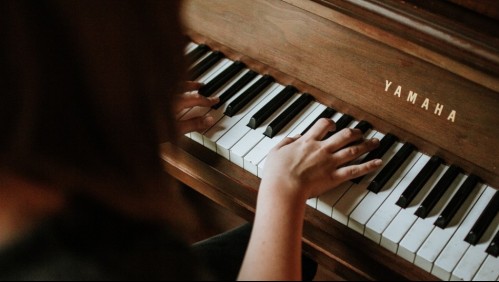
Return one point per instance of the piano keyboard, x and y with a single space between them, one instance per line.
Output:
416 206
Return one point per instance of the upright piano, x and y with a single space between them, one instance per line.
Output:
422 76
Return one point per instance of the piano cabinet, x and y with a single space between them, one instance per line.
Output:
426 73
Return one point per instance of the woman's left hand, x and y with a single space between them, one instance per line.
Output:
190 99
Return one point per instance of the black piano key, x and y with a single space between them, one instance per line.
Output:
437 192
236 87
197 53
493 248
384 144
342 123
457 201
266 111
205 64
285 117
391 167
248 95
363 126
418 183
484 220
209 88
327 113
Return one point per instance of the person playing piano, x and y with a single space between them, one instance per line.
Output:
88 89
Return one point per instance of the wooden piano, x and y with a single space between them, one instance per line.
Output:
426 72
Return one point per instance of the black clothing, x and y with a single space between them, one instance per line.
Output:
90 241
224 254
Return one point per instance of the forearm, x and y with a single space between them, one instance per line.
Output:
298 168
274 251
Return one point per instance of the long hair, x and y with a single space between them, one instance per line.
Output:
86 95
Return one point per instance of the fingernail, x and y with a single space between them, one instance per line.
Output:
378 162
209 121
215 99
375 141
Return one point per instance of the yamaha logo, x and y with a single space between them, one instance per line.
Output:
424 103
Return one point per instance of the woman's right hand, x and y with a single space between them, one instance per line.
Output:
307 166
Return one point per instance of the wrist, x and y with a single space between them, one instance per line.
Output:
284 190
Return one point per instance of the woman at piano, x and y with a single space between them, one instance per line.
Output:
88 89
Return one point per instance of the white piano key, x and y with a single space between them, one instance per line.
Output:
207 76
326 201
194 113
254 136
239 126
405 218
219 113
224 123
312 202
439 237
357 192
336 116
474 257
214 70
367 207
489 271
307 121
456 247
260 151
422 228
202 111
388 209
189 47
261 168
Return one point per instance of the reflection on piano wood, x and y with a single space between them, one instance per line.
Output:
432 210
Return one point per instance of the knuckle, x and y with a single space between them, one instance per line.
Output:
354 171
197 96
348 133
324 122
353 151
371 165
364 147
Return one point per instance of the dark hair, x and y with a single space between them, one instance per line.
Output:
87 89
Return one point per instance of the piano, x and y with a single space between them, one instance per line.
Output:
422 76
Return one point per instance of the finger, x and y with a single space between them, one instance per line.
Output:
320 129
351 153
287 141
189 100
342 139
192 86
199 124
354 171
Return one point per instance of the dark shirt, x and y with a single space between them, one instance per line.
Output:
92 242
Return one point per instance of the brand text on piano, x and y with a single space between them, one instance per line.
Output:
412 97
